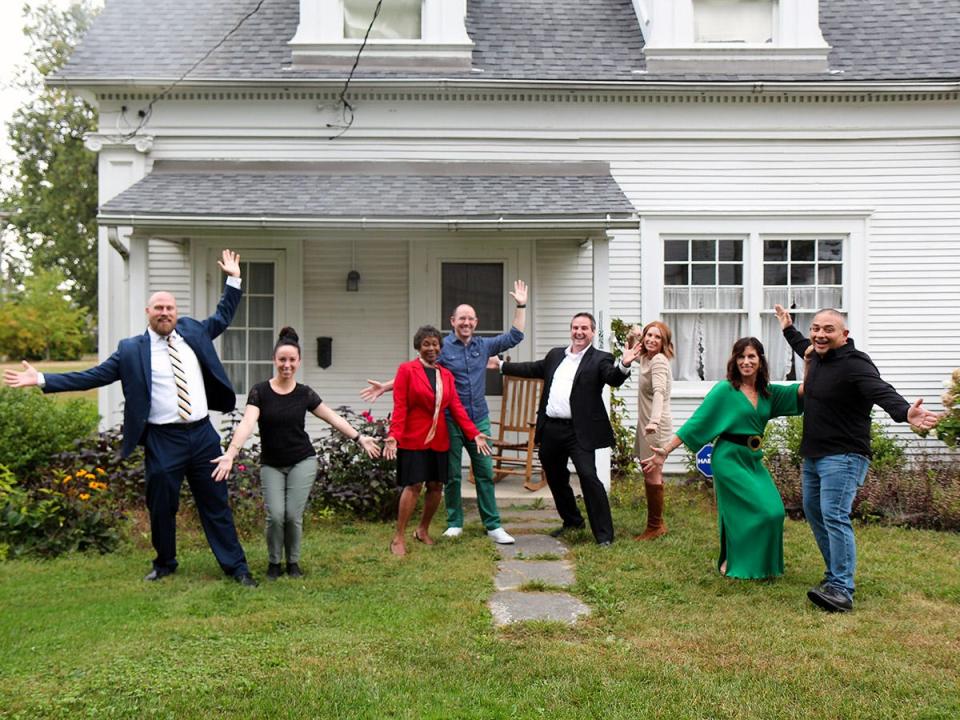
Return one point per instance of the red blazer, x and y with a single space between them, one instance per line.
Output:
413 404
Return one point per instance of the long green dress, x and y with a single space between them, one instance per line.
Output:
749 509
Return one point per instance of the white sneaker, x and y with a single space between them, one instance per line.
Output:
452 532
500 536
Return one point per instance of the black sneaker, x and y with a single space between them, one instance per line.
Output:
830 599
245 579
294 571
274 571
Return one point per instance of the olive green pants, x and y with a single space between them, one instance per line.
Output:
482 475
285 494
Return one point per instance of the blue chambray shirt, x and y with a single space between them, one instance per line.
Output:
468 364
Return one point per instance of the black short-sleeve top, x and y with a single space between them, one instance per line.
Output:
283 437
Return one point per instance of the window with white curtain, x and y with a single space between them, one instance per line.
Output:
742 21
712 288
247 350
398 19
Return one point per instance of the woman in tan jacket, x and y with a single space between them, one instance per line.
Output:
654 424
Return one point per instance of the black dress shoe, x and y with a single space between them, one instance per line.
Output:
561 531
245 579
831 600
157 574
274 571
294 571
605 543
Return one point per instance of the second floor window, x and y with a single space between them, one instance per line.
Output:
398 19
737 21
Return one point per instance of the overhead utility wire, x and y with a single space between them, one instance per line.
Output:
148 111
347 121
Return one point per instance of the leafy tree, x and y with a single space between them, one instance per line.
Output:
40 323
53 196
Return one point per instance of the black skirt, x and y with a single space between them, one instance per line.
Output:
417 466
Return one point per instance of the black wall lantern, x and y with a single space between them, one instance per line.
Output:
353 281
324 352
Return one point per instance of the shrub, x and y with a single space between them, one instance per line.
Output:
40 323
49 521
623 462
948 429
34 427
99 454
349 481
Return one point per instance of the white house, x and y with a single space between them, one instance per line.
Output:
692 160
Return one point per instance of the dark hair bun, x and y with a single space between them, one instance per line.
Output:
288 333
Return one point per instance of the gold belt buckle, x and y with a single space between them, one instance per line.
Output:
754 442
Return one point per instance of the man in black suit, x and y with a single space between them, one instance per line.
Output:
171 377
572 421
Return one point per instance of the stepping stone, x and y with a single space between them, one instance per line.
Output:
509 606
511 574
532 545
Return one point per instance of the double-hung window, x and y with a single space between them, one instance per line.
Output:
716 280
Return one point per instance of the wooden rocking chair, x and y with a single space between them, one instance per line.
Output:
514 451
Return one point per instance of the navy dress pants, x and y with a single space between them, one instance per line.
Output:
172 453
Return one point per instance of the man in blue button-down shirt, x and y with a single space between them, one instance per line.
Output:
465 355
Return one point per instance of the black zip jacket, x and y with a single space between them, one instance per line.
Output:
839 391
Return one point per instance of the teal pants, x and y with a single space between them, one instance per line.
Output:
285 494
482 474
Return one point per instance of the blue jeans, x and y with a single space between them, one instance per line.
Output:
829 487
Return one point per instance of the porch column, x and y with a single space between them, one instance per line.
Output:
601 308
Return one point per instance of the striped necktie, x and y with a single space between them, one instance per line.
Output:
184 409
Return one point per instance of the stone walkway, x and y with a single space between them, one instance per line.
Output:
532 573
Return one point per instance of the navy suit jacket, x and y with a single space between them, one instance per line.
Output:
591 424
130 364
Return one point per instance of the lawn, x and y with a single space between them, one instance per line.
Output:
88 361
365 635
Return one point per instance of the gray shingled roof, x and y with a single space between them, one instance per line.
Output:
373 190
585 40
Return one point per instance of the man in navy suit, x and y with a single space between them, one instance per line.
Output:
171 378
572 421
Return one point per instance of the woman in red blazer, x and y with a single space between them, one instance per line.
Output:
418 439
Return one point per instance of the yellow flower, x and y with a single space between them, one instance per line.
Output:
94 485
67 479
101 471
84 496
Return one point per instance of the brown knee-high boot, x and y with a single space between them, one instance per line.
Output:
655 524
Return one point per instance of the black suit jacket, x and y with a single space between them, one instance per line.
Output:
590 420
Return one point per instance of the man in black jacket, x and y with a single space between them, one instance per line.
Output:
841 386
572 421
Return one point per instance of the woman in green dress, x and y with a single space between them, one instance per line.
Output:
734 415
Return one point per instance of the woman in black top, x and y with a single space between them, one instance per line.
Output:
288 461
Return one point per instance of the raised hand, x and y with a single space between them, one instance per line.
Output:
230 263
631 353
373 390
519 292
27 378
783 316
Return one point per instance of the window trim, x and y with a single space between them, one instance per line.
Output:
852 225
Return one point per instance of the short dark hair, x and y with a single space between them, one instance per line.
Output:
588 316
763 372
423 333
287 336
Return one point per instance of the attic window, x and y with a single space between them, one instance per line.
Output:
734 21
398 19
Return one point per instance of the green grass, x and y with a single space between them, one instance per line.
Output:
365 635
88 361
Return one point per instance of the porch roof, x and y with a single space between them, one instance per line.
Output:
374 194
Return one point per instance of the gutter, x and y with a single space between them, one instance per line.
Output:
452 224
838 87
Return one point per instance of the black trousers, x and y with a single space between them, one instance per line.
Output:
557 445
172 453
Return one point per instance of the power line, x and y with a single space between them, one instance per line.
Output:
347 107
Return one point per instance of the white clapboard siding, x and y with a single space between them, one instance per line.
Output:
564 286
169 270
369 328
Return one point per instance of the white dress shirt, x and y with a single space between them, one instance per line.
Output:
558 402
163 389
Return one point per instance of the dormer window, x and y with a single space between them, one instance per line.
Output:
398 19
736 37
418 34
734 21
